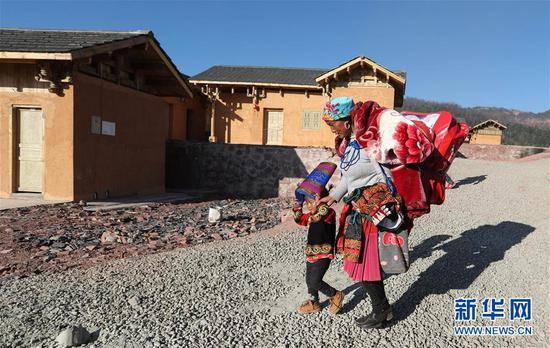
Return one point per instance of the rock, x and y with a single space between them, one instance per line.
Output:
214 215
6 251
216 236
154 244
109 237
135 302
73 336
188 230
58 245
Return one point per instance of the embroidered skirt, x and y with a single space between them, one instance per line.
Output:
368 267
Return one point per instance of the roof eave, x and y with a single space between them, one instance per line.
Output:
146 37
171 66
36 55
80 53
259 84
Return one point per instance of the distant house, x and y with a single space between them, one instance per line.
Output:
282 106
487 132
86 114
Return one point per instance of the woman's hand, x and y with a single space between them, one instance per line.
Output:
328 200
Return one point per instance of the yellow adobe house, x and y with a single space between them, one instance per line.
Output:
488 132
85 114
282 106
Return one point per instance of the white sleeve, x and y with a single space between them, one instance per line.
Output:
339 190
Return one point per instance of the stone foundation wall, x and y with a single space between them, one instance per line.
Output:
498 152
270 171
242 170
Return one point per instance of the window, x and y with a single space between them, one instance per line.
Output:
311 119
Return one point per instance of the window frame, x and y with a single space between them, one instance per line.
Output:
308 113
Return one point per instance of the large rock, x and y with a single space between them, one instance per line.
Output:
109 237
214 215
73 336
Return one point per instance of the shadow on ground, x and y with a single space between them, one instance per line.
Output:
466 257
472 180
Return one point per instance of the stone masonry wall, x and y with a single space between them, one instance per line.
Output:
498 152
271 171
242 170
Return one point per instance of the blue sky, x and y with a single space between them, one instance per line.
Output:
475 53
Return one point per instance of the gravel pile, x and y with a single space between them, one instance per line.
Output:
53 238
488 240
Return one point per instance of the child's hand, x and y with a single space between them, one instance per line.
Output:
328 200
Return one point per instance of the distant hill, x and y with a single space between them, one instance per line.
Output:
524 128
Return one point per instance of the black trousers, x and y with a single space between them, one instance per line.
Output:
377 295
315 271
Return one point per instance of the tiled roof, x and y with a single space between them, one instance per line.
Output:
49 41
255 74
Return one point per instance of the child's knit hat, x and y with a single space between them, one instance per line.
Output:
315 182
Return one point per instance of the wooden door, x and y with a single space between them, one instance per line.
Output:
274 127
30 151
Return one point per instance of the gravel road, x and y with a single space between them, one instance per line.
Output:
488 240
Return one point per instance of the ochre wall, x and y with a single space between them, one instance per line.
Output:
177 119
182 128
382 95
19 88
132 161
488 139
238 122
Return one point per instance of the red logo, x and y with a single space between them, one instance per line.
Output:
392 239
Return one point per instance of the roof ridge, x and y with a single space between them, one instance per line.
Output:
267 67
139 31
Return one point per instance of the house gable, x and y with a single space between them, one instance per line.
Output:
488 124
363 72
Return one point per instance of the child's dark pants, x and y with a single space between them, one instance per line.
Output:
315 271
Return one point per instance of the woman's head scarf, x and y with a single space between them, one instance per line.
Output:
338 108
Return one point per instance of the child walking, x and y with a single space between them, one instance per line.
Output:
321 223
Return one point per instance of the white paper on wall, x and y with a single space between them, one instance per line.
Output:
108 128
96 125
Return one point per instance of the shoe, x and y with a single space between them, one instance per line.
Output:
336 302
375 319
310 306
